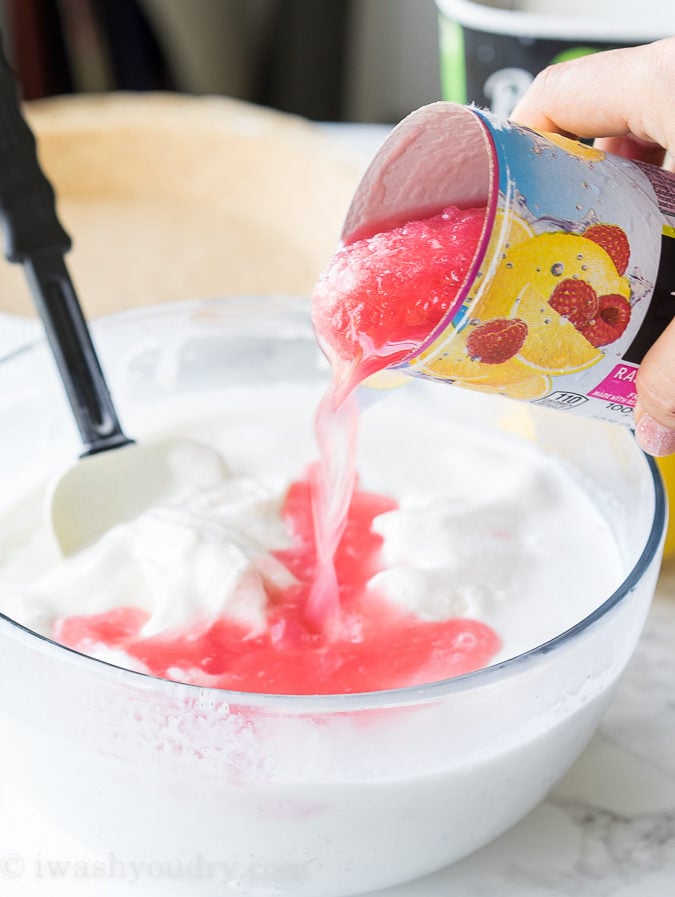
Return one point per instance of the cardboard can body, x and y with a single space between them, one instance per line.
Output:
574 276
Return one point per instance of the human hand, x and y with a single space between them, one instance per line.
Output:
623 98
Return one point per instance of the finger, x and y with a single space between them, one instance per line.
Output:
610 94
655 411
631 148
653 437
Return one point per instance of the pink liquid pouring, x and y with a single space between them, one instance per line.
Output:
379 299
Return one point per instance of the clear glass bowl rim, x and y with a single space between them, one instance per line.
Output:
336 703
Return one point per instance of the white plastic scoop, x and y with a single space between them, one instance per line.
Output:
115 479
107 488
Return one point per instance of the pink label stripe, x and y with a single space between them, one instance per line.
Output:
618 386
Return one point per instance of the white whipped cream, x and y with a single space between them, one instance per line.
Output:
185 565
487 527
498 553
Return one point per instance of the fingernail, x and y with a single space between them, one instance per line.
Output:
654 438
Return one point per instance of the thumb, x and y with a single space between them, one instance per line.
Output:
655 409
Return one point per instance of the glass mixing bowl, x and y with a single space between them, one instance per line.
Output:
303 795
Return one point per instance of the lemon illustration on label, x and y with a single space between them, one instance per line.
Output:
528 389
545 260
484 356
545 306
574 148
510 229
553 344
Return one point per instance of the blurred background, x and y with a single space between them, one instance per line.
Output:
333 60
173 187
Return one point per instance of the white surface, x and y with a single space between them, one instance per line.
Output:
16 332
608 830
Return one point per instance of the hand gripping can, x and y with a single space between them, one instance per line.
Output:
574 277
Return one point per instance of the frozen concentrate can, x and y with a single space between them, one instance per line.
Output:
574 277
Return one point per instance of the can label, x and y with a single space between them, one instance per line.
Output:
576 284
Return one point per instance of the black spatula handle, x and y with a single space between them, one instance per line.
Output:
35 238
26 196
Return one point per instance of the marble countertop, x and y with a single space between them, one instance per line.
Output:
607 830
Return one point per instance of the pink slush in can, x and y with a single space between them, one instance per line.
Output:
574 276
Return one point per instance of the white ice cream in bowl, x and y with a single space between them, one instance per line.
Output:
545 530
